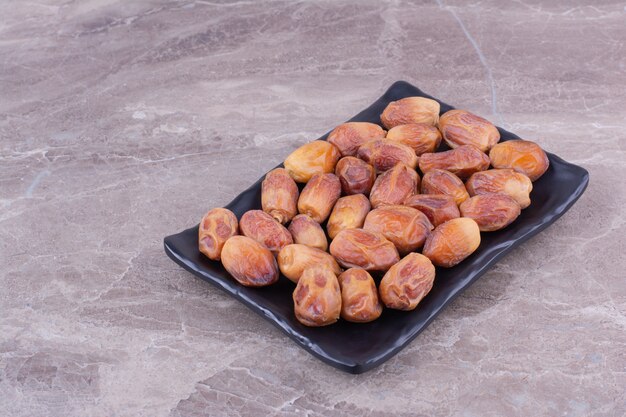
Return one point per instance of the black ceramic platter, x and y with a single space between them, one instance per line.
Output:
357 348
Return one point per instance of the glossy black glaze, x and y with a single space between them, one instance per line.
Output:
357 348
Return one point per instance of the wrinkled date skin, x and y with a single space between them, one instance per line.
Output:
348 137
384 154
317 157
279 195
521 155
439 181
420 137
363 249
405 227
317 297
216 227
249 262
260 226
452 241
359 296
319 196
460 127
491 211
294 259
349 213
394 186
410 110
407 282
307 231
462 161
439 208
501 181
356 176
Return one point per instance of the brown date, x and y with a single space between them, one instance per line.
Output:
405 227
439 208
491 211
356 176
439 181
384 154
349 213
249 262
307 231
462 161
420 137
279 195
521 155
359 296
319 196
394 186
460 127
452 241
260 226
216 227
294 259
410 110
317 157
348 137
407 282
363 249
501 181
317 297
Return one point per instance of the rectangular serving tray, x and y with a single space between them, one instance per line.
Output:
356 348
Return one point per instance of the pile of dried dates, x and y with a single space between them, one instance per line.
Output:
366 212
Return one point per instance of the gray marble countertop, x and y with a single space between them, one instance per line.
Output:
122 122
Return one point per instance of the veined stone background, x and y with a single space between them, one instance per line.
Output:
125 121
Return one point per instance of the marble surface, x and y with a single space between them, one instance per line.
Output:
122 122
